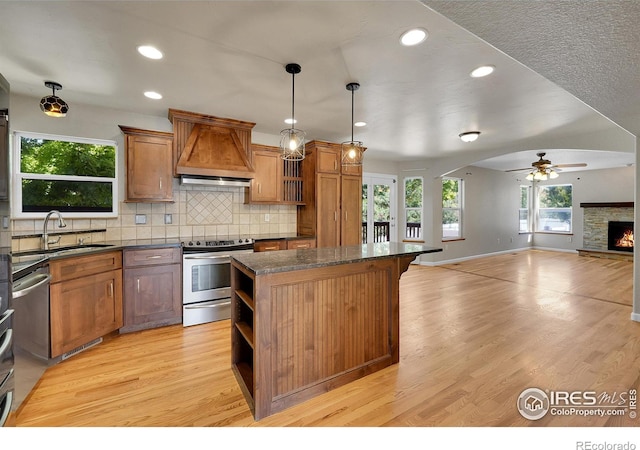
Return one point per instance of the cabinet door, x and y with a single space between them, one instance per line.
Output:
328 210
149 171
265 186
328 160
152 297
351 196
84 309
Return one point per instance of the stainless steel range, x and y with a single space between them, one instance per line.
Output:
206 278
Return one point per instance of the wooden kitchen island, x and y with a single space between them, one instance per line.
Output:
304 322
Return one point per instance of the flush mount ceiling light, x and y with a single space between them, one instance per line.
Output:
150 52
414 36
482 71
469 136
52 105
292 139
352 150
153 95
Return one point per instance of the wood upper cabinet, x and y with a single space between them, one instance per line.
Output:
333 202
149 165
152 288
85 299
267 182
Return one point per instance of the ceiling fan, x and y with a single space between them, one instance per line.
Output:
544 170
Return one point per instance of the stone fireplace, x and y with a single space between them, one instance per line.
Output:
597 232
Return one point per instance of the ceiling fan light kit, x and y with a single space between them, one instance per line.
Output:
543 169
292 139
52 105
352 151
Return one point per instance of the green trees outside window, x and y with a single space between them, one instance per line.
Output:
66 175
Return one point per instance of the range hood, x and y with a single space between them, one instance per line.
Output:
211 150
193 180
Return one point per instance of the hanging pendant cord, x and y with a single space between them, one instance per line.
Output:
352 95
293 99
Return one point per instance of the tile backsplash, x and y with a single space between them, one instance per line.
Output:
211 211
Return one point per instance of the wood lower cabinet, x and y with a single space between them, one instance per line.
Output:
269 245
152 288
293 244
85 299
149 165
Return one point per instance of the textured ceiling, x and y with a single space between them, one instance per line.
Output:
590 48
561 67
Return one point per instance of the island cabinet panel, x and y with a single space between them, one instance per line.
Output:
298 334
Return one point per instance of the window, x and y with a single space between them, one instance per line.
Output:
451 208
525 209
413 207
555 204
73 175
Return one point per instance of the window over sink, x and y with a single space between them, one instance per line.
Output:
76 176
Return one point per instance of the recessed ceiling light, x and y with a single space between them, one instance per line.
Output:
290 121
153 95
482 71
360 124
413 37
469 136
150 52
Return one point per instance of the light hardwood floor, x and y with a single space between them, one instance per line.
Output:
474 335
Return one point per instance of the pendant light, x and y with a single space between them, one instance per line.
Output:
352 150
292 139
52 105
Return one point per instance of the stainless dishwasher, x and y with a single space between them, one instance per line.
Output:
31 316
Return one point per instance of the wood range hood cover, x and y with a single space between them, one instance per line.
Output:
208 146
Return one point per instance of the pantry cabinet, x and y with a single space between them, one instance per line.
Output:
333 199
149 165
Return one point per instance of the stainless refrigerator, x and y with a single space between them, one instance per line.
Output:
6 312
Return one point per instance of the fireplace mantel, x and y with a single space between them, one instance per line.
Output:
607 205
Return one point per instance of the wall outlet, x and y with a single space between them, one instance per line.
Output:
570 238
5 222
141 219
267 218
498 240
511 239
168 219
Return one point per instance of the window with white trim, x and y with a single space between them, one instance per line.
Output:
554 208
76 176
413 207
452 203
525 209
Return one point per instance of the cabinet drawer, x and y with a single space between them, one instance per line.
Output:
151 256
81 266
301 243
269 246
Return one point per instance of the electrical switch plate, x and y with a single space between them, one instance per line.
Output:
5 222
141 219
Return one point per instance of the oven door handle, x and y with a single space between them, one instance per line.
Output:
216 305
207 257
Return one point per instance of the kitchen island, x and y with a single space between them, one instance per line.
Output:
307 321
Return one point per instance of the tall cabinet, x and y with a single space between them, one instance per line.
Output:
333 201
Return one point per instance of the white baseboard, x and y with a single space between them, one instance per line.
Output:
635 317
549 249
467 258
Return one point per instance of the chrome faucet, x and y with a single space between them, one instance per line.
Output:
45 235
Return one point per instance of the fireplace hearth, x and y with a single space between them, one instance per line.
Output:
620 236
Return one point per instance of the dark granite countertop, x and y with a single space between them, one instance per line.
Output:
24 262
261 263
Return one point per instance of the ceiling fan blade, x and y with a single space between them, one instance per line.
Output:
569 165
518 170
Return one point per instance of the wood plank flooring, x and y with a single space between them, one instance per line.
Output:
474 335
